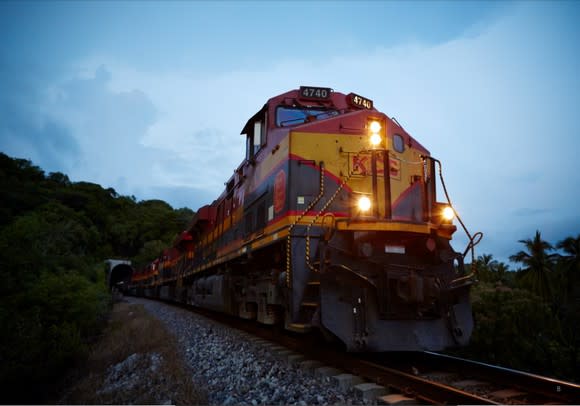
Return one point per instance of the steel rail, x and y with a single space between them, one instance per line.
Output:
417 387
549 388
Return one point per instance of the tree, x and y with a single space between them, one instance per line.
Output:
486 265
538 265
51 237
149 251
490 270
54 234
569 309
515 329
59 178
570 263
501 271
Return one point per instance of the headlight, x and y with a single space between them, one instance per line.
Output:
375 139
448 213
364 203
374 127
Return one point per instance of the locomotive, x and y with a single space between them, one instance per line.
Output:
331 222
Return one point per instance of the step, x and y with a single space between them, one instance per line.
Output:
309 304
314 283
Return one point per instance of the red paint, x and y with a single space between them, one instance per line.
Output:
361 165
395 168
279 191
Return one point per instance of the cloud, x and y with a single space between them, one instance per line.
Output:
25 131
530 212
108 127
47 143
560 228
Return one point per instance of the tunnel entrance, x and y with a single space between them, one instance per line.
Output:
119 274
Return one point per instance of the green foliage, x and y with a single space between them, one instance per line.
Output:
538 264
150 251
45 328
529 319
516 329
19 183
54 235
569 267
491 271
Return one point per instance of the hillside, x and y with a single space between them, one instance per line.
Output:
54 235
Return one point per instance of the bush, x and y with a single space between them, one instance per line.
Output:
46 330
514 328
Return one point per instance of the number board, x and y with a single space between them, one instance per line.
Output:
320 93
359 101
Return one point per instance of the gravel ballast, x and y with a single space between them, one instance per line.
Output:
234 370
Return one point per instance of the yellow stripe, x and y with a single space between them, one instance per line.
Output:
265 167
383 226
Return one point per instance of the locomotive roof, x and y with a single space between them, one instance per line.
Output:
253 118
306 96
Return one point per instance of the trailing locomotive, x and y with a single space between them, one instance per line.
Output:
331 222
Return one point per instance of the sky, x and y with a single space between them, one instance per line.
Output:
150 97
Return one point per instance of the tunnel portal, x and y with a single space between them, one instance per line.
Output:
119 273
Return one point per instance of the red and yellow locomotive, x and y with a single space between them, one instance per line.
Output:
330 222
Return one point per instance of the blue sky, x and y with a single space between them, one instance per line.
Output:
150 97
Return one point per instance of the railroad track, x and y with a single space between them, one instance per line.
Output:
493 383
425 377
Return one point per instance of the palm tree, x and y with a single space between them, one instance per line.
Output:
484 265
501 270
487 261
537 265
571 262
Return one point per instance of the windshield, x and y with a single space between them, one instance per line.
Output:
289 116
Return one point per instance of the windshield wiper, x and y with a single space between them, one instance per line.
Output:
299 119
307 116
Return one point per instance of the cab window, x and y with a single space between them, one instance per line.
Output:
289 116
398 143
256 139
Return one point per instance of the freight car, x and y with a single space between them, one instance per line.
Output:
330 222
